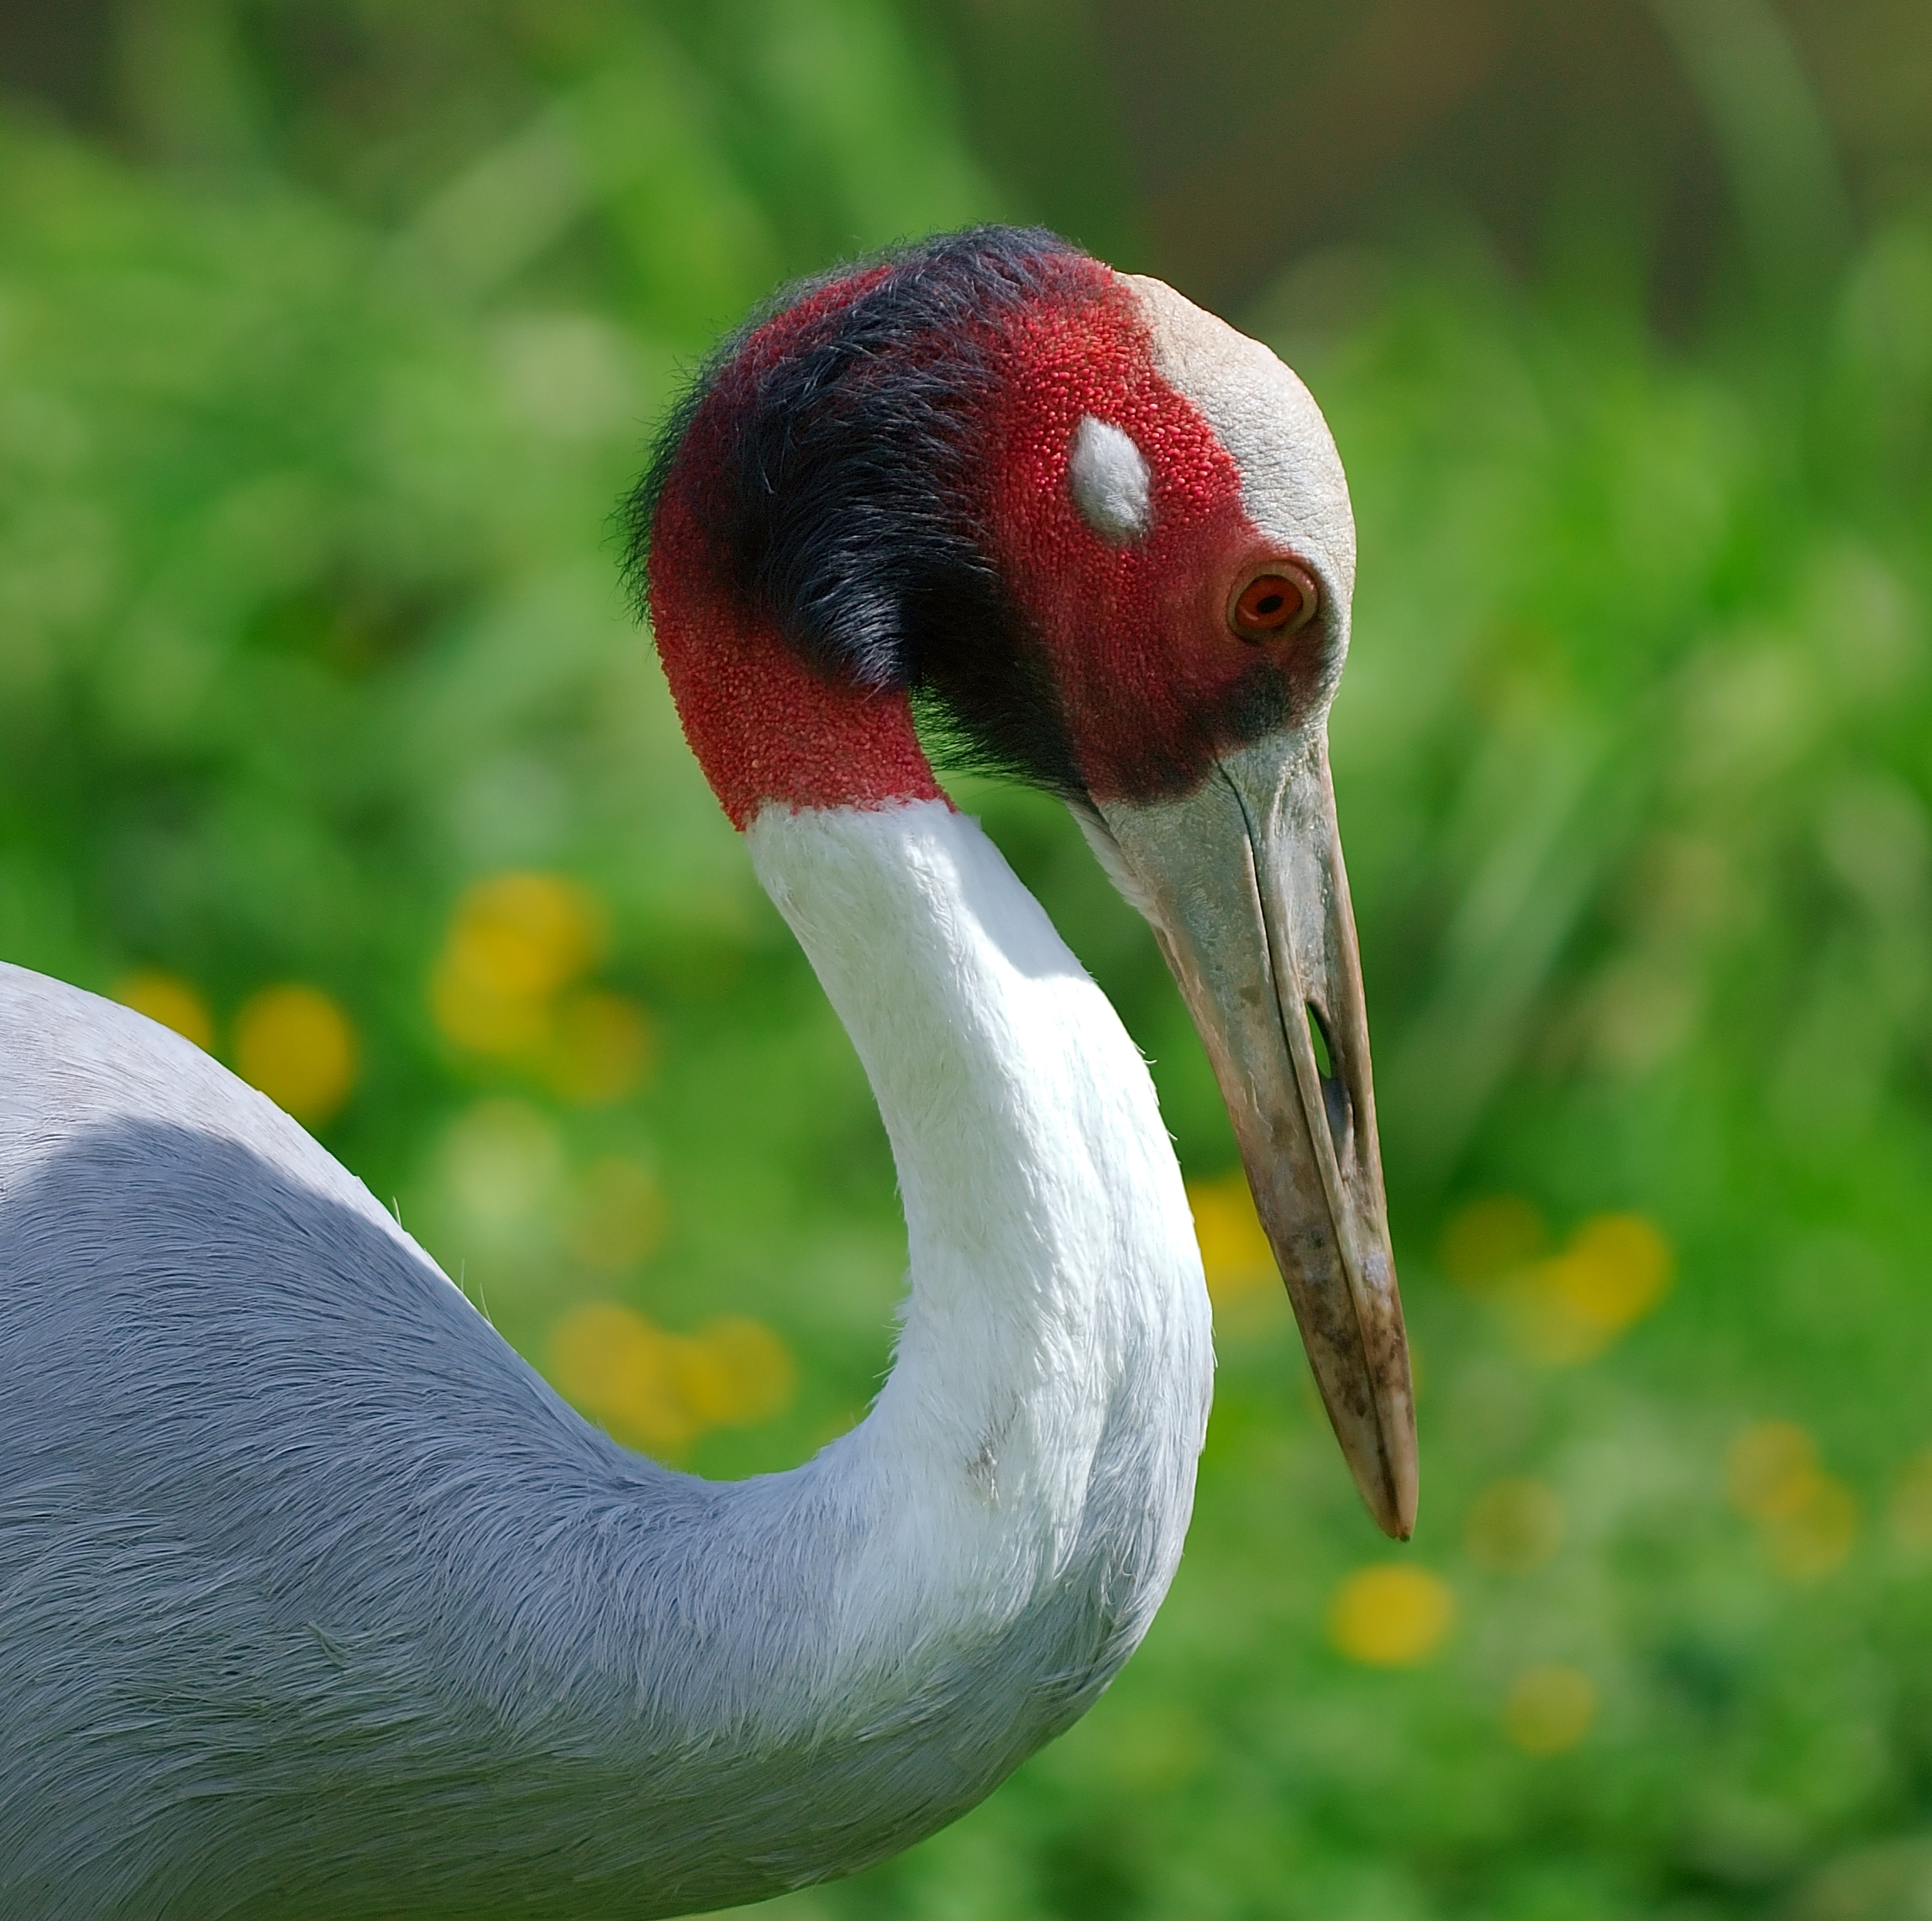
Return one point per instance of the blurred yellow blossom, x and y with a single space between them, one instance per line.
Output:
1515 1526
526 934
1548 1709
1809 1518
658 1391
1911 1514
1235 1250
622 1371
505 985
1573 1305
618 1216
1615 1271
297 1044
515 939
1390 1616
1492 1238
172 1001
738 1372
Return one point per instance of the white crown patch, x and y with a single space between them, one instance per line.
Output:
1109 478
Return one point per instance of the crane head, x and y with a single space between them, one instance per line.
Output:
1102 543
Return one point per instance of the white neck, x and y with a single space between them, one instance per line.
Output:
1050 1389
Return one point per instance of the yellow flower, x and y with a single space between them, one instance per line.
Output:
622 1371
505 986
1770 1470
297 1044
515 942
1912 1505
1234 1252
659 1391
1390 1616
600 1048
738 1372
1572 1306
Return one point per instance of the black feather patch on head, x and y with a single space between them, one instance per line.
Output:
829 448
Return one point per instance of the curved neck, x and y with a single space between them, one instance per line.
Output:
1042 1421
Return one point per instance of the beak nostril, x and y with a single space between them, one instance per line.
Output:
1334 1090
1318 1033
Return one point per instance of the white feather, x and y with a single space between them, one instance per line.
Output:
1108 476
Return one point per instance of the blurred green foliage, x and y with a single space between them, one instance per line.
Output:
310 633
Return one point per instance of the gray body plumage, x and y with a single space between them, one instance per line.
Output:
315 1599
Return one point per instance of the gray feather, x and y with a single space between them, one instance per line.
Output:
314 1597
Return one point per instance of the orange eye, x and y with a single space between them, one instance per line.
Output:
1273 604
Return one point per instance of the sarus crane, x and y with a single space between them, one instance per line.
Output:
316 1600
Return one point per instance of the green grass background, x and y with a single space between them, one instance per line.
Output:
309 617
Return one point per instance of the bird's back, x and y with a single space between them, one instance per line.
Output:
313 1591
251 1444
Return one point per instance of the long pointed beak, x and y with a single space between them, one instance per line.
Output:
1243 883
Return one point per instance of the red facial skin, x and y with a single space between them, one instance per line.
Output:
1151 679
764 725
1150 676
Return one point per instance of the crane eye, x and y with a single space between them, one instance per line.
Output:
1280 601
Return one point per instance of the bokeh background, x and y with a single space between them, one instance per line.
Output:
331 332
